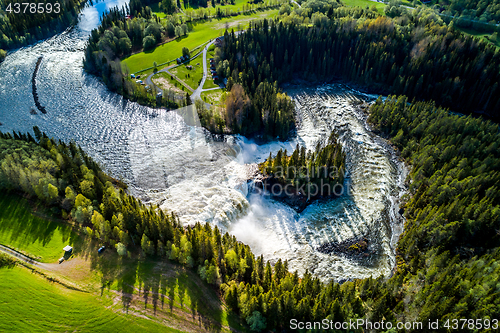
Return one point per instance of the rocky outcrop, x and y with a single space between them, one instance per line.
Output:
33 87
355 248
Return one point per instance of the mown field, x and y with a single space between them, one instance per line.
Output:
213 96
128 294
29 303
209 83
365 3
190 76
239 5
38 237
200 32
487 37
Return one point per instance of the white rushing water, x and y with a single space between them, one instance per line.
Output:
181 167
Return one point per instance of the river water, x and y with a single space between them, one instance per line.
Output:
169 160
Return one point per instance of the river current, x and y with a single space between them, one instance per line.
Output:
168 160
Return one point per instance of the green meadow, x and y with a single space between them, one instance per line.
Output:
29 303
239 6
128 294
487 37
39 237
200 32
365 3
191 76
209 83
213 96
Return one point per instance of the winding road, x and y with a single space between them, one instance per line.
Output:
196 94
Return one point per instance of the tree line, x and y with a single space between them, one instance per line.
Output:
119 36
24 28
486 11
312 171
418 56
447 258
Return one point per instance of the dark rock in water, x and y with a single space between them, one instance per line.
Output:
356 248
33 87
287 194
33 112
291 197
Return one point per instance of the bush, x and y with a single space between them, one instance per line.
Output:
121 249
148 43
3 54
256 321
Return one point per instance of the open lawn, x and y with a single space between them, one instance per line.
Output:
38 237
364 4
156 10
213 97
209 83
29 303
131 293
239 6
191 76
165 82
482 35
201 32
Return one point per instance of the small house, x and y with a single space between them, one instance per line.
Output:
132 76
68 249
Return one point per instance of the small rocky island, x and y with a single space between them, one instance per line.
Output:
303 177
358 248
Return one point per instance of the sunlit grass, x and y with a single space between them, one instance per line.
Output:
29 303
365 3
201 32
42 238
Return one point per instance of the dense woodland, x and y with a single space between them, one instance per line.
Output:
316 172
118 37
448 255
26 28
485 11
268 113
416 55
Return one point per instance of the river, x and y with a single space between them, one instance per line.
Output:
181 167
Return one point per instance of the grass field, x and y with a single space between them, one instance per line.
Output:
36 236
201 32
365 3
484 36
213 97
156 10
29 303
191 76
130 293
164 81
209 83
237 7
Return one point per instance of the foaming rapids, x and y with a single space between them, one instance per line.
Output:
368 207
166 158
